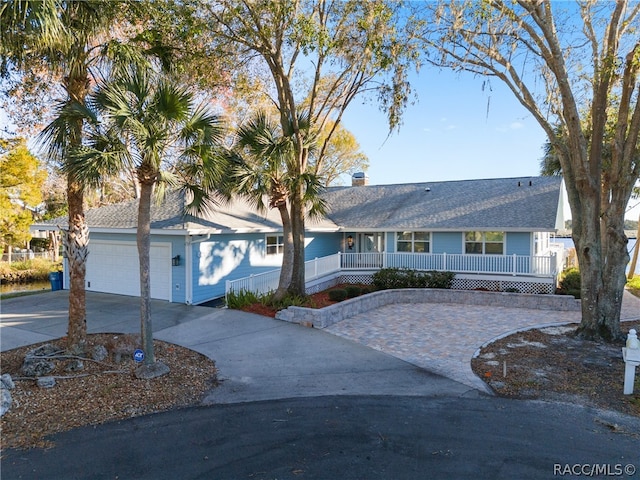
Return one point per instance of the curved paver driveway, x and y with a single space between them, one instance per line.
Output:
443 338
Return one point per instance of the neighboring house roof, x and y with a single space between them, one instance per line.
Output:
527 204
520 204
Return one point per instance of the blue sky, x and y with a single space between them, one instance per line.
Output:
455 131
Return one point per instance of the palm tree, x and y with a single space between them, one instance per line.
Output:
143 121
264 161
61 37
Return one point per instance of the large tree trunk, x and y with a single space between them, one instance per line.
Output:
54 246
297 285
602 258
77 237
144 247
636 249
76 242
286 271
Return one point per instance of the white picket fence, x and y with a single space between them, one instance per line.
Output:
546 266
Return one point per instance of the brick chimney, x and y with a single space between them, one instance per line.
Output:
359 179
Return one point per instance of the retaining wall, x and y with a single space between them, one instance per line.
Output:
323 317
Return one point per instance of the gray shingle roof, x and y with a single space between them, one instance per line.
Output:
234 216
493 204
528 203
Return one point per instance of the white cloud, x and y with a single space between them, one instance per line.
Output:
512 126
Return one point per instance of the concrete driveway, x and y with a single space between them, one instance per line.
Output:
258 358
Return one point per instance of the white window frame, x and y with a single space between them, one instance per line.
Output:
279 244
412 241
483 241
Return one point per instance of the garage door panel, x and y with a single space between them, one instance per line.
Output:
113 267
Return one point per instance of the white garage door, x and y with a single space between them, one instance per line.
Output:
112 267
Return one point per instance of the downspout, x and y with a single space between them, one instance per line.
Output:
189 265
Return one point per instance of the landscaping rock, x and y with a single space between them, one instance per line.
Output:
37 367
99 353
6 384
5 400
74 366
43 350
46 382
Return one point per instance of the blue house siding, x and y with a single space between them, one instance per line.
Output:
518 243
390 242
230 257
322 244
447 242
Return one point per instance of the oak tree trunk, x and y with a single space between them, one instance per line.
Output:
297 285
286 271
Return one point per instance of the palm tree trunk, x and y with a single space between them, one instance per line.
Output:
144 248
76 241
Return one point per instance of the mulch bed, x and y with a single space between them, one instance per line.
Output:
554 364
101 391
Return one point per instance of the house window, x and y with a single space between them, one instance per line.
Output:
491 243
416 242
275 244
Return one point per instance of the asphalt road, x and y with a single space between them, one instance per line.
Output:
376 437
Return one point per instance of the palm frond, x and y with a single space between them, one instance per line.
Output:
62 133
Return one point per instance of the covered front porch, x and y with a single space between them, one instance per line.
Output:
521 273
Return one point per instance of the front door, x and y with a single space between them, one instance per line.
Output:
370 243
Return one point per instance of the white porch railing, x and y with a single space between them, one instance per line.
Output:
266 282
514 265
541 266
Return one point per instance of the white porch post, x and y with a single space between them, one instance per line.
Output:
515 267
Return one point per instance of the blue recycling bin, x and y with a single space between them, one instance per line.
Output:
56 280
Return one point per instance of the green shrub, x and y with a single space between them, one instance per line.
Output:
353 291
570 283
337 295
440 279
634 283
238 300
286 302
387 278
367 289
